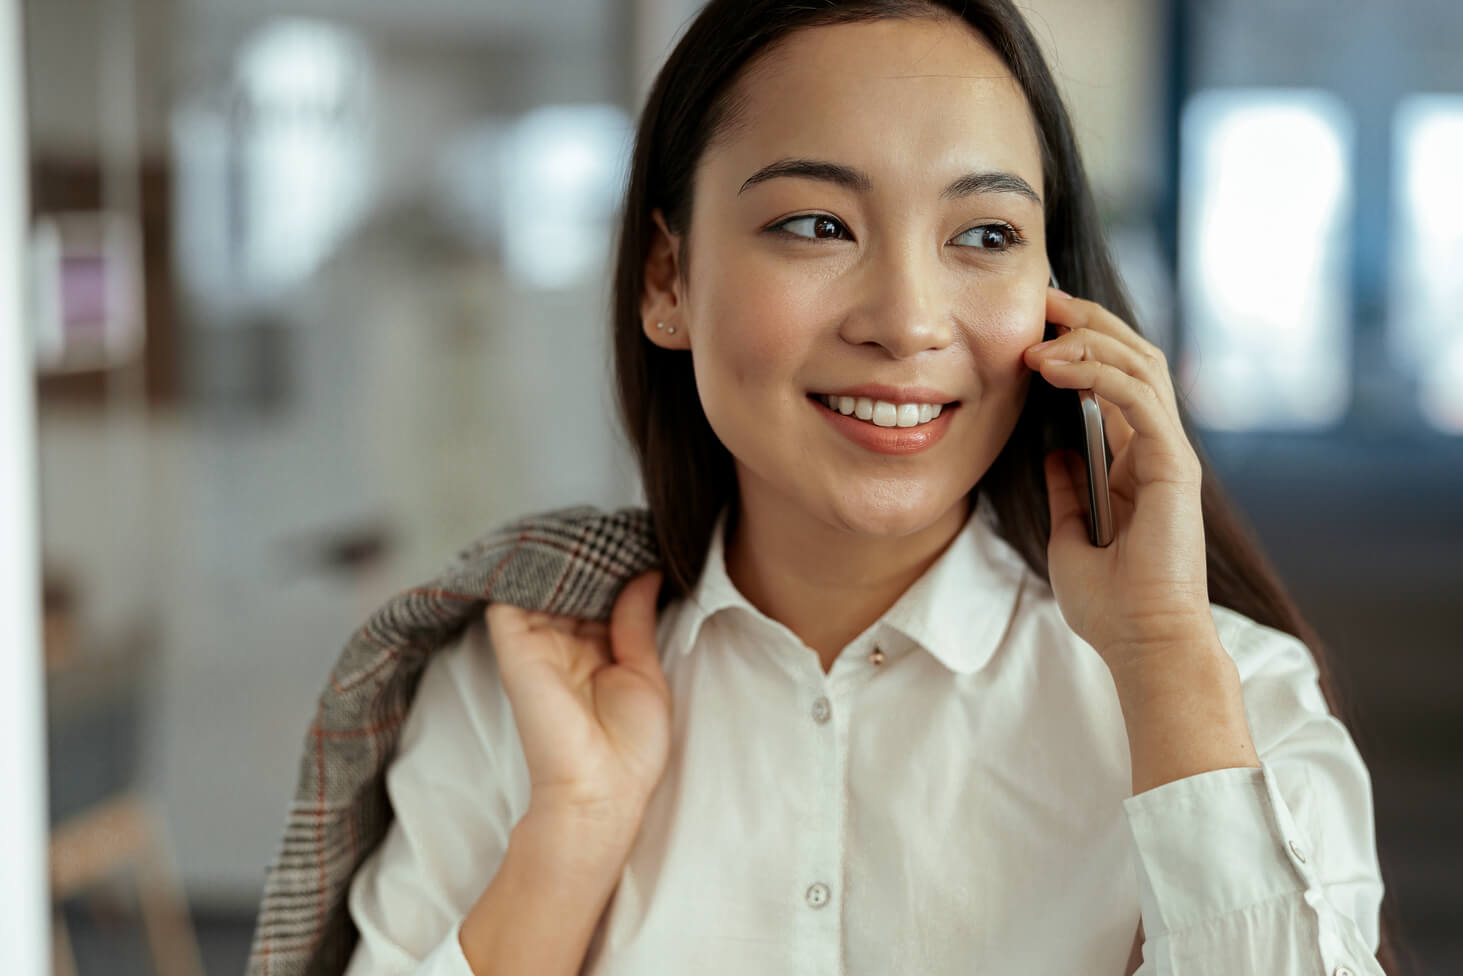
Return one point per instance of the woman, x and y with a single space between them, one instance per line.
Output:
891 711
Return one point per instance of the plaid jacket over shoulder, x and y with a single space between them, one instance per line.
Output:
571 561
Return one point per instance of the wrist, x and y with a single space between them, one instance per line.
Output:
602 812
1183 707
1143 667
539 911
578 838
1177 636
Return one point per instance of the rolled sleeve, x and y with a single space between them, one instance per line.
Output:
1272 869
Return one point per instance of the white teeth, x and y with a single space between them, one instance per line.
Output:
882 413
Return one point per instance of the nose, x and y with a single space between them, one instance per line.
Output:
905 308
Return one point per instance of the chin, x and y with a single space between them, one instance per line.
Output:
891 512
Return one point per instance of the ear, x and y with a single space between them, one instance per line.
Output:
662 304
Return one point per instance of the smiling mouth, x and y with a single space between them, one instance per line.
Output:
882 413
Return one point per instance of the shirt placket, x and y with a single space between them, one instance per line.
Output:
824 893
821 877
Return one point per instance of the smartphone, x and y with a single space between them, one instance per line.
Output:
1078 426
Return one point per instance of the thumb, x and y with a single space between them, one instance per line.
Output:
632 624
1063 474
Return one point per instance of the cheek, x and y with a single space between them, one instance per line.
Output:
1000 339
751 337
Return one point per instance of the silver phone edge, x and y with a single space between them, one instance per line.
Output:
1099 501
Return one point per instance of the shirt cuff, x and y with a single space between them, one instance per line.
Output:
1214 843
447 959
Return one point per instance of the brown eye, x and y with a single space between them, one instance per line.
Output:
995 238
812 227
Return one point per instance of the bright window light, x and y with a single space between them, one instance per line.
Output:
1426 285
1264 211
273 162
564 169
305 154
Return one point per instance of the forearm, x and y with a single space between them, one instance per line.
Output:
539 913
1184 711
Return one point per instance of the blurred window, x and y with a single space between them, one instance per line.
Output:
273 164
1266 188
545 188
564 176
1426 279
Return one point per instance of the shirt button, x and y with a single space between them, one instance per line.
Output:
821 710
1300 855
1342 971
877 657
817 895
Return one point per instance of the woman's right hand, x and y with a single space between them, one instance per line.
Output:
591 703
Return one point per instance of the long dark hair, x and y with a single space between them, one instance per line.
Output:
688 474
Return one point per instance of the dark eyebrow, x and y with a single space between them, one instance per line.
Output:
858 181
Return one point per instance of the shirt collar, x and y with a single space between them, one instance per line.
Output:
957 610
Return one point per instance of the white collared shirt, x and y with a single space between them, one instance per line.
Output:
961 806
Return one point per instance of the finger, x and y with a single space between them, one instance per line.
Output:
1088 343
597 629
1141 405
563 623
505 619
1062 499
632 624
1136 355
510 619
1115 426
1078 313
1128 352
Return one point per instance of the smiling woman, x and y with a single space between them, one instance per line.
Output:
893 284
884 708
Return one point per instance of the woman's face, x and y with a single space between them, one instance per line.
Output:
911 258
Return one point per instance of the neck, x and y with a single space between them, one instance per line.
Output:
826 584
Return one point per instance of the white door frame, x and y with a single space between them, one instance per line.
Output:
24 891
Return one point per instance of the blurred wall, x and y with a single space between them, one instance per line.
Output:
67 68
410 370
1107 57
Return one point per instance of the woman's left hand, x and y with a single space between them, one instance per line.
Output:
1149 588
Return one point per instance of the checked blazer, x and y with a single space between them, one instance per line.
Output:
571 561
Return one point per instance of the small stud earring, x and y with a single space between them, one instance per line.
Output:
660 325
671 330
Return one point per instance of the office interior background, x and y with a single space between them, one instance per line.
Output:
320 294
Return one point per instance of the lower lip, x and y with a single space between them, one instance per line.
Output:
888 440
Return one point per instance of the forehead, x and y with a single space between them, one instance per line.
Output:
917 97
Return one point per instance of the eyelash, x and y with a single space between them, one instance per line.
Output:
1013 235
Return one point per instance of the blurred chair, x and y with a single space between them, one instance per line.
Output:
105 830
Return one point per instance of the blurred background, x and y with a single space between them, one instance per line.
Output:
320 293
